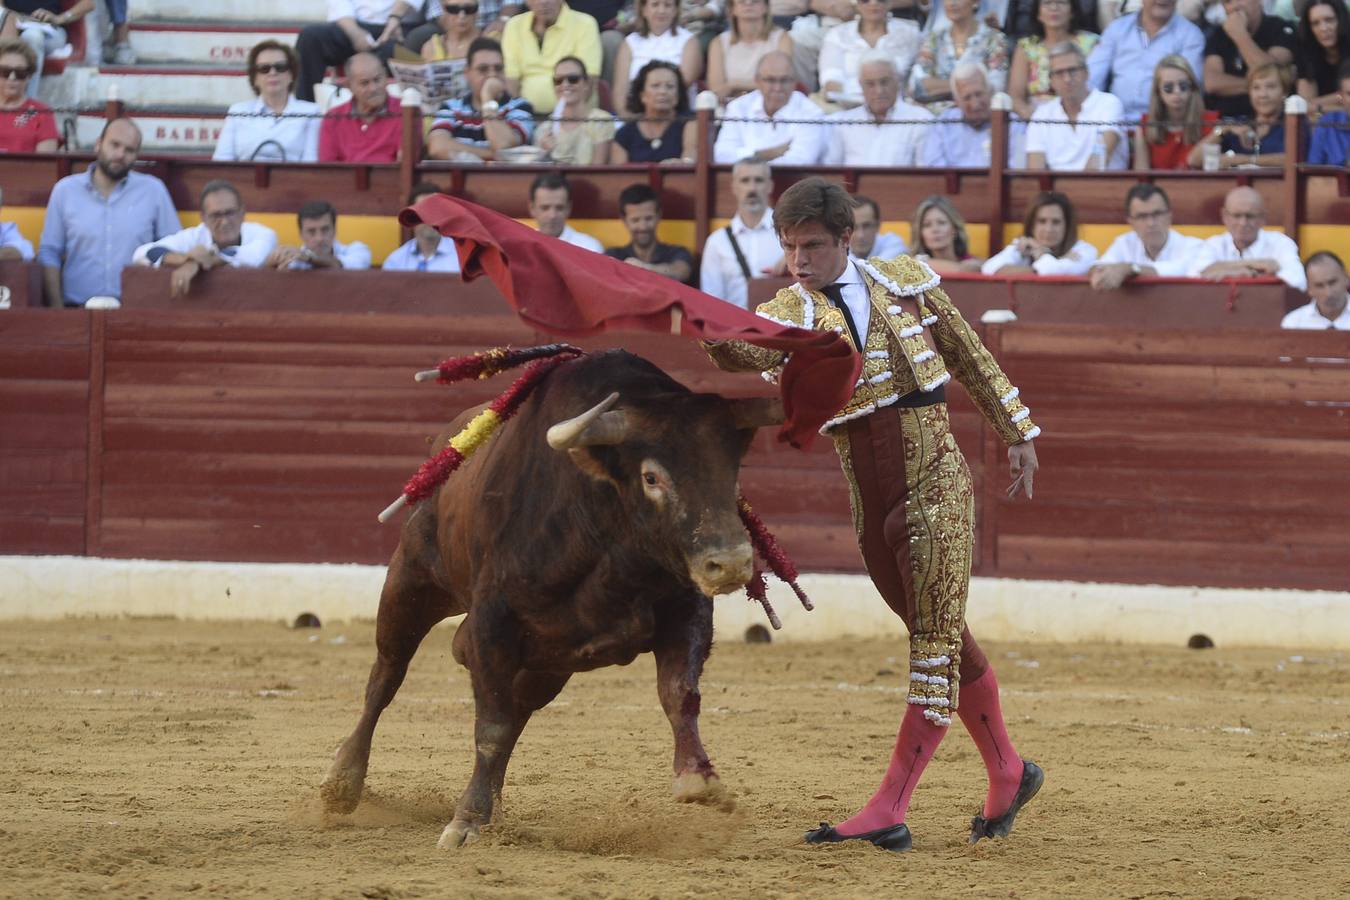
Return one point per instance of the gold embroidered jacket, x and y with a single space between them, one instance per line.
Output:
896 359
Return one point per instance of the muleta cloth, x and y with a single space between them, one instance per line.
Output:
572 292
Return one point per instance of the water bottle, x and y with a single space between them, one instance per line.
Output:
1210 152
1097 162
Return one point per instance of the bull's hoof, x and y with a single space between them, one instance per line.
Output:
696 787
341 792
457 834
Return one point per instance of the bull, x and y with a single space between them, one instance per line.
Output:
595 525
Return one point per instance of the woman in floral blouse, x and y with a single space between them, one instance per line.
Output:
963 39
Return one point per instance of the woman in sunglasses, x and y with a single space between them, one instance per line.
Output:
275 125
1176 118
577 133
26 125
459 27
41 24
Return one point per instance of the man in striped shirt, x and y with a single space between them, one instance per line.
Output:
487 119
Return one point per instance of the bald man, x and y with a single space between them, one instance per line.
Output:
367 128
1246 249
773 123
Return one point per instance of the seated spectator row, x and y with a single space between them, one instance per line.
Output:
108 216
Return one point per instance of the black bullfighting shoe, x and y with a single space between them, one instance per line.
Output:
894 837
1032 779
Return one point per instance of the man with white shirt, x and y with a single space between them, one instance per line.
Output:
550 205
223 239
964 134
773 123
869 135
429 250
748 246
319 247
1055 140
354 26
1328 310
1246 250
868 239
1151 247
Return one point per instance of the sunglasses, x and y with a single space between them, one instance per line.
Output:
280 68
22 73
560 80
455 9
1176 87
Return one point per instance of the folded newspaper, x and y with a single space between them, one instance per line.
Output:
437 81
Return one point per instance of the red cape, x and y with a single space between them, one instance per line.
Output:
572 292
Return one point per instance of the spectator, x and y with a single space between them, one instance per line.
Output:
868 239
1327 310
451 39
576 133
640 209
807 22
428 250
367 128
885 130
118 50
663 130
26 125
1020 17
735 54
848 42
550 205
353 26
1053 23
962 135
1131 47
1049 244
41 24
1330 144
1245 249
1259 141
658 37
701 16
274 125
13 245
963 39
534 41
319 247
614 19
1056 141
97 218
1323 47
1151 247
1176 120
1247 40
794 133
940 238
485 120
748 246
222 239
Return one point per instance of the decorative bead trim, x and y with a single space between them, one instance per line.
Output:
928 320
930 701
878 354
887 400
936 382
859 383
939 680
923 357
1010 396
878 379
928 284
859 413
808 305
1017 417
894 310
777 321
932 662
911 331
771 376
1033 433
937 718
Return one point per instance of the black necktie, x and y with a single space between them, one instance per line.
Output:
836 294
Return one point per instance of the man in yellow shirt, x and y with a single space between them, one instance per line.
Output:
534 41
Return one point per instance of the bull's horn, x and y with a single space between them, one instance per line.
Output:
753 412
594 426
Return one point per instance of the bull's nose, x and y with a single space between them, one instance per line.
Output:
725 571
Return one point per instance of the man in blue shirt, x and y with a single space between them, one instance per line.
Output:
1123 61
1331 135
963 134
96 219
429 250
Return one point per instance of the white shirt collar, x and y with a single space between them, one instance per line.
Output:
738 225
851 275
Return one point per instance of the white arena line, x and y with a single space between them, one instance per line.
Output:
49 587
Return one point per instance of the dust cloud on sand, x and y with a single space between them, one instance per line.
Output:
160 759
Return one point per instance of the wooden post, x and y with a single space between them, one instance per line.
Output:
1295 121
706 105
410 154
998 166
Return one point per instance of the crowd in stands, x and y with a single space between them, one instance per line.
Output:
831 82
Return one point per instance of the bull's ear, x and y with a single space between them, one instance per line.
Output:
755 412
586 460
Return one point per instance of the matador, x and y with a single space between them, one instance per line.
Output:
909 488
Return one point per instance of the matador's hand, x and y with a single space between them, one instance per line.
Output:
1022 465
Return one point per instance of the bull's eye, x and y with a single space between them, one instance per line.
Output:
650 478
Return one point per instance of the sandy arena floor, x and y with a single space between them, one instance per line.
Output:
158 758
